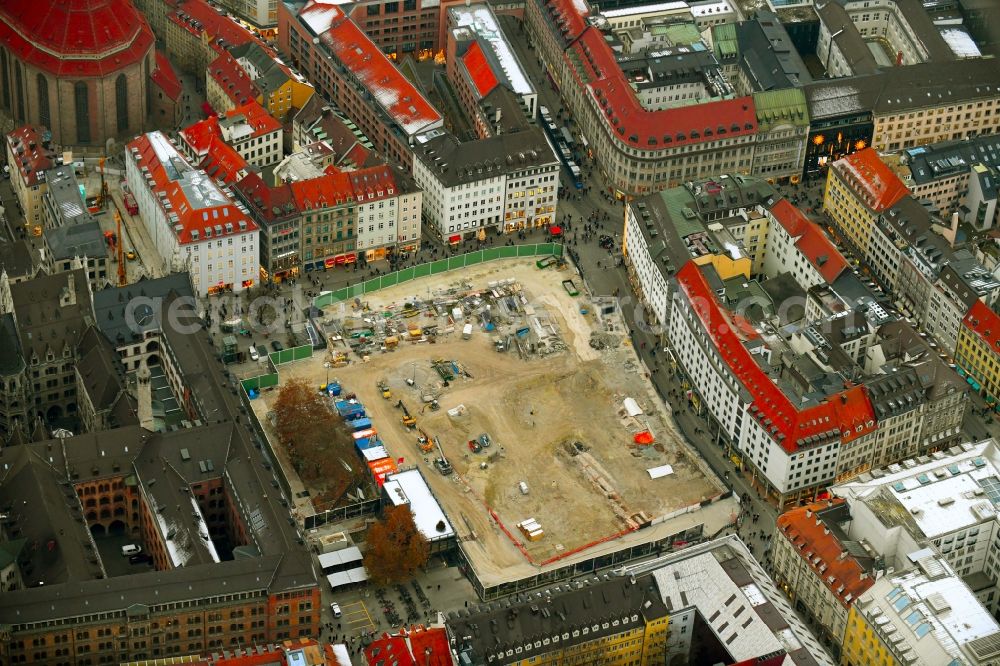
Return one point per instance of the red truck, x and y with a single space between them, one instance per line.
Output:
130 205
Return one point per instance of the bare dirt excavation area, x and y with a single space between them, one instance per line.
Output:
562 436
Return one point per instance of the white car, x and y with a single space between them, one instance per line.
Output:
131 549
335 607
254 354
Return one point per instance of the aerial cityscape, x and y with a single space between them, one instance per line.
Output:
487 332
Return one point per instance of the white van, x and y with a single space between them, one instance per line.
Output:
254 354
131 549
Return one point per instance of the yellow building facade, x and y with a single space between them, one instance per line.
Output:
977 354
859 188
862 645
637 647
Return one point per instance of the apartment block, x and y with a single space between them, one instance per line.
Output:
249 129
281 88
956 177
349 69
819 567
229 569
333 219
29 155
645 136
942 503
900 107
783 128
193 224
977 354
72 237
922 615
480 59
501 184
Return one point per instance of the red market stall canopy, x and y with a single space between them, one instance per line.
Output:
644 437
555 230
382 468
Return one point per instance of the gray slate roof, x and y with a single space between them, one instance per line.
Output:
115 307
524 619
456 163
46 318
76 240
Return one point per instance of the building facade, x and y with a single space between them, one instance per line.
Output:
347 68
501 184
193 224
639 150
82 72
815 568
923 615
30 154
249 129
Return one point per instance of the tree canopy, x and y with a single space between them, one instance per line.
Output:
319 445
396 548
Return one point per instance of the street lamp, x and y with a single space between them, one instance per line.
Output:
327 366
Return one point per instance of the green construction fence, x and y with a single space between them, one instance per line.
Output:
438 267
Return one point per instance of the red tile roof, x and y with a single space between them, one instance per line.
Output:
257 117
212 209
233 81
336 187
199 135
31 159
430 646
75 37
871 179
985 324
389 650
269 202
822 551
812 242
397 96
479 69
331 189
420 646
165 77
198 16
569 17
595 67
356 156
849 413
222 162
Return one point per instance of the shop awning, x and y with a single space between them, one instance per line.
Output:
455 239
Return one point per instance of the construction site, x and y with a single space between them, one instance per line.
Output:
525 407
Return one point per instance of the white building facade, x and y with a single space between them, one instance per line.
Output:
193 224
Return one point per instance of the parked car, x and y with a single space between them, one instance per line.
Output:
276 346
254 354
335 607
141 558
130 255
131 549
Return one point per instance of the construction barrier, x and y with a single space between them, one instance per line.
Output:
299 353
436 268
260 382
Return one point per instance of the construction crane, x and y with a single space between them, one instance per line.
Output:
120 249
442 464
102 196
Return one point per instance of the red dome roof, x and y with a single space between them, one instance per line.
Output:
75 37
